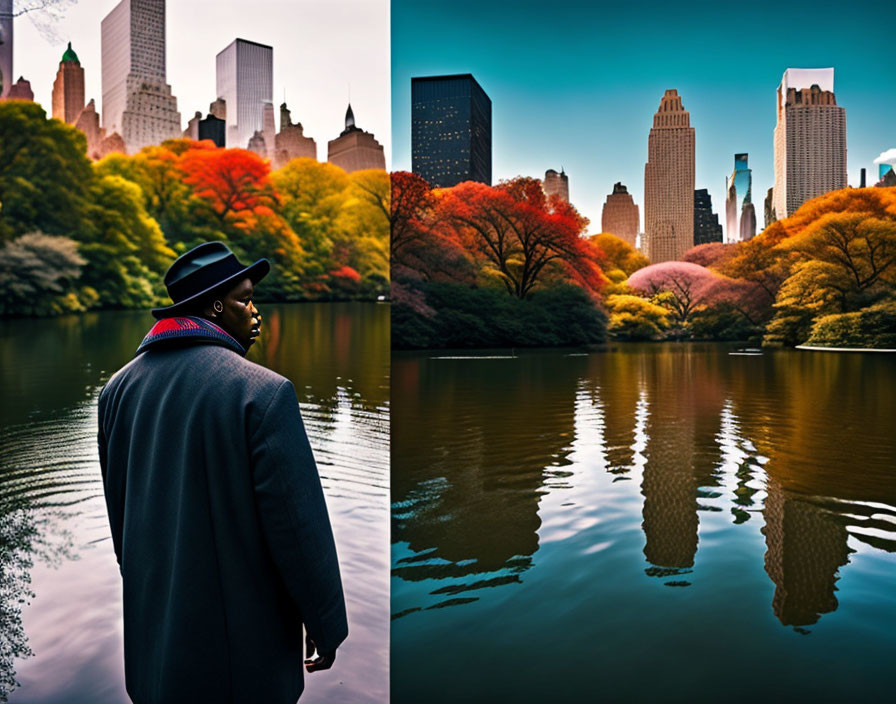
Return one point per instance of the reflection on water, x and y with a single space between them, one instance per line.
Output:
636 508
59 584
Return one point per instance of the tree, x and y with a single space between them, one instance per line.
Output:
125 248
814 289
411 210
362 242
228 181
620 260
312 196
45 175
679 286
711 255
156 170
860 247
521 236
635 318
38 275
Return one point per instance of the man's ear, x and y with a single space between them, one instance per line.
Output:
208 309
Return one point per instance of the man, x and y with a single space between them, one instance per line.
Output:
218 518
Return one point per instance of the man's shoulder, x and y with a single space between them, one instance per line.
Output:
211 366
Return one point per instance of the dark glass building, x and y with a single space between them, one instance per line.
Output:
451 130
707 227
213 128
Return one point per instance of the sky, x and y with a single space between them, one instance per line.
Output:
575 84
324 52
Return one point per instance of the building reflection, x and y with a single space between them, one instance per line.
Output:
616 379
685 401
472 442
806 548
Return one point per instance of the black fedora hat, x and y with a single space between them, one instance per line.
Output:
201 271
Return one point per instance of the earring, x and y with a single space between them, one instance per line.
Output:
218 306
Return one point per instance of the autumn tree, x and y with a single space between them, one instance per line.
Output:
311 197
362 240
126 251
635 318
681 287
156 170
522 236
411 210
228 181
711 255
619 259
858 248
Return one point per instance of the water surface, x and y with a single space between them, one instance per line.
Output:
666 522
60 594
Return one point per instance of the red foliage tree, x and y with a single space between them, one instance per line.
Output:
228 180
410 210
522 236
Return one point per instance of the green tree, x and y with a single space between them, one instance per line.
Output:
125 248
45 175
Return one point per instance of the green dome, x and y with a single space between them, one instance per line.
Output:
70 55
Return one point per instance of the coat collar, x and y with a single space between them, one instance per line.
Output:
189 330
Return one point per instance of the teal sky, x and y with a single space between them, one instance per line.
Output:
576 84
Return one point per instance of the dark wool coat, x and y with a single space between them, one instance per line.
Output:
218 522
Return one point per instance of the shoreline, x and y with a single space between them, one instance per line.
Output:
812 348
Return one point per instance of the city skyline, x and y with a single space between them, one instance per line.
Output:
579 87
330 54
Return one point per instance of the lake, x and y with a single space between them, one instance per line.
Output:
60 591
667 522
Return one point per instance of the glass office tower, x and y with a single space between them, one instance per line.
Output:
451 130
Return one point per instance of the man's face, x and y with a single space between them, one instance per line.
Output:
240 317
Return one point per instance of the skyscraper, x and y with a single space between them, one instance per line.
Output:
707 227
556 184
669 182
740 215
5 47
137 101
810 139
451 130
354 149
245 80
620 215
68 88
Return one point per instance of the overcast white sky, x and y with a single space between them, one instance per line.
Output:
322 50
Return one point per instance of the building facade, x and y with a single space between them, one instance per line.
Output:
556 184
451 130
810 139
707 227
6 38
354 149
291 142
669 182
137 100
68 88
20 90
245 81
620 215
740 215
